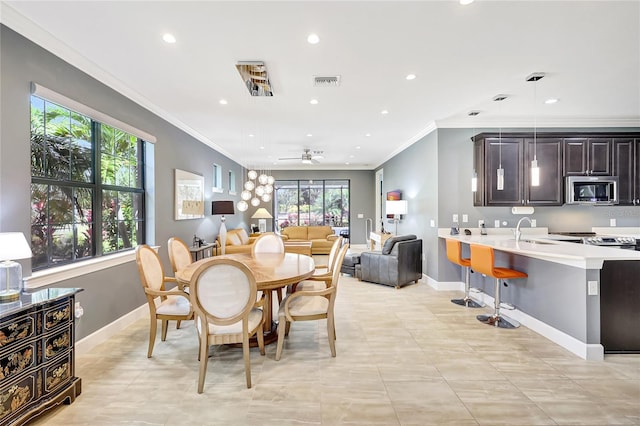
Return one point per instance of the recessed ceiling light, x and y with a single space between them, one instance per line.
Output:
250 135
262 147
352 156
309 135
169 38
313 102
551 101
347 163
465 2
358 147
223 101
313 39
368 135
384 112
411 77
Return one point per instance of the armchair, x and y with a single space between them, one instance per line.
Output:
399 262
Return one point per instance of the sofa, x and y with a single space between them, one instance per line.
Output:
238 241
321 237
399 262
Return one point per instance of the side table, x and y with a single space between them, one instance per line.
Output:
205 250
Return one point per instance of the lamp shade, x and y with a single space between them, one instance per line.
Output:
222 207
262 213
14 245
397 207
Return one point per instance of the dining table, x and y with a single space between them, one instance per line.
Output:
272 271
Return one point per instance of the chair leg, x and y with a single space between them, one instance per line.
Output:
279 296
178 324
152 335
466 300
260 336
204 349
332 337
165 325
281 333
247 358
496 319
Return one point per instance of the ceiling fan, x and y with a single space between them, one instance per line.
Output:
308 157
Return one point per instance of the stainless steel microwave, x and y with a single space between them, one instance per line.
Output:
593 190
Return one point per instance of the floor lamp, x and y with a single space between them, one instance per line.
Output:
397 208
262 215
222 208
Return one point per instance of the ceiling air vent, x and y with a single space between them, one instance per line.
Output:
326 81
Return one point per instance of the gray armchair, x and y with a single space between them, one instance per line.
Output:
399 262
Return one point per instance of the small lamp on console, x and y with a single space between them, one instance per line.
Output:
13 245
262 215
222 208
397 208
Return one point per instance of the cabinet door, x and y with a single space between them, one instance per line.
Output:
549 155
599 157
478 165
575 156
623 167
509 152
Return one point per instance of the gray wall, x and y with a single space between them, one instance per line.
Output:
113 292
362 189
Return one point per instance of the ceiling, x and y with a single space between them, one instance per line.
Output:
462 57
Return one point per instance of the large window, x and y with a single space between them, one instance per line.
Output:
312 202
87 191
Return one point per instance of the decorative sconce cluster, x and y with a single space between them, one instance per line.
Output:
256 190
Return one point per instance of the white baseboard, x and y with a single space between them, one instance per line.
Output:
592 352
85 345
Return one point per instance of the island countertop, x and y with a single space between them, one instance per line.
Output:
543 246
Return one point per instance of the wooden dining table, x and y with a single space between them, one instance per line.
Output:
272 271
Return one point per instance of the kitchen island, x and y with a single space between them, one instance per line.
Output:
561 298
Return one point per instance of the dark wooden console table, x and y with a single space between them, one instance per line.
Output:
37 359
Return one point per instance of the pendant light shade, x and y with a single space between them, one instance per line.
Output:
500 179
500 170
535 173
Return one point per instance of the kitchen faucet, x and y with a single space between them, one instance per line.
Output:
517 232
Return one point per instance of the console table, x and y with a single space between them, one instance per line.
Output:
37 360
205 250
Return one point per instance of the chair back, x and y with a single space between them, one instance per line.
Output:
335 274
454 251
483 259
267 243
179 254
333 253
223 291
149 268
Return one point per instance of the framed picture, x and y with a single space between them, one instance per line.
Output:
189 195
396 194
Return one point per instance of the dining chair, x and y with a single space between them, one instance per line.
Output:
268 243
311 305
174 304
179 254
223 295
323 274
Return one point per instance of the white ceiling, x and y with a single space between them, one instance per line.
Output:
462 55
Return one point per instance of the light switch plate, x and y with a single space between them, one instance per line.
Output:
592 289
433 223
534 223
360 215
496 224
612 222
455 217
465 218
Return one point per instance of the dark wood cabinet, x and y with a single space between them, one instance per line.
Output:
548 152
478 167
587 156
508 154
626 165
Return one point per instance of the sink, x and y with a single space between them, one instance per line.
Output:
536 242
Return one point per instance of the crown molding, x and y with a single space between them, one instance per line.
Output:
431 127
543 122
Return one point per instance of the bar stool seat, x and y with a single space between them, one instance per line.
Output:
454 254
483 261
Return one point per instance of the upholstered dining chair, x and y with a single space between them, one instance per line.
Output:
174 304
179 254
268 243
323 274
223 294
311 305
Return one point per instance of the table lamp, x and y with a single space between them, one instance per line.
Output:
13 245
222 208
262 215
397 208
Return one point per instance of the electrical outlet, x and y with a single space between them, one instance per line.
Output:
534 223
433 223
496 224
455 217
480 223
465 218
612 222
360 215
592 289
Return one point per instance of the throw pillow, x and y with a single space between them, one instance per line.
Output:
244 238
233 239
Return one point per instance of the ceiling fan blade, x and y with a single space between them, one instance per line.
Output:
289 158
314 161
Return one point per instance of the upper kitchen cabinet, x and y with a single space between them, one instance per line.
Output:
548 151
478 168
626 165
587 156
508 154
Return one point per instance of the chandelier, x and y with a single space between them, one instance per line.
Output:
258 188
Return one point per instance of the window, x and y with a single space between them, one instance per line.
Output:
232 182
87 191
217 178
312 202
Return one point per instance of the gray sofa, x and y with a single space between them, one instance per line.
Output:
399 262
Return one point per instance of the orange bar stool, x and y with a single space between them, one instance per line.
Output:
454 254
483 261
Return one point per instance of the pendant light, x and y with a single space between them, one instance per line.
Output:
500 170
474 176
535 170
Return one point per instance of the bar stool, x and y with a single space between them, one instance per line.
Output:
454 254
483 261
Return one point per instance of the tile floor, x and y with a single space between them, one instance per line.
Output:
404 357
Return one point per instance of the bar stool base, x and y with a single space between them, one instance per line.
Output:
499 321
467 302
